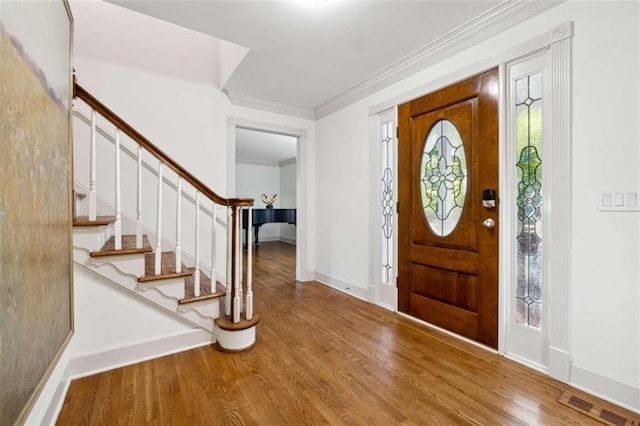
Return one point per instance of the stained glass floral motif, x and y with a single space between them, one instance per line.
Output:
387 202
529 200
443 177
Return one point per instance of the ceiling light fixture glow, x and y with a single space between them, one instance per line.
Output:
316 2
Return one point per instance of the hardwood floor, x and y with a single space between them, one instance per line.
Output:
322 357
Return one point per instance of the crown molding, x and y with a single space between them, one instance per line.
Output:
251 101
490 23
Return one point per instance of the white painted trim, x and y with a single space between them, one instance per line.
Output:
288 240
607 388
86 365
303 243
342 286
287 162
251 101
558 271
530 46
258 163
481 28
46 407
266 127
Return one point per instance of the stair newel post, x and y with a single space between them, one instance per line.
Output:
239 257
179 226
213 249
158 253
228 274
196 272
249 303
118 222
139 201
93 202
235 265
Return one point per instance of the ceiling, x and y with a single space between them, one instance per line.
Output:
257 147
304 55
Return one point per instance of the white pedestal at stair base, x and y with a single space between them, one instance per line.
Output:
236 337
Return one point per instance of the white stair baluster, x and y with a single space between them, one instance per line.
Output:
249 306
139 206
118 223
196 273
179 227
158 266
213 250
93 205
227 278
237 295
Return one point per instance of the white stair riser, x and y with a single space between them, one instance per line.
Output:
92 238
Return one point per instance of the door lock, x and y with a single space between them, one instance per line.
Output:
488 198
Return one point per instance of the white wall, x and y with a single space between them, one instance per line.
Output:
287 197
605 327
253 180
121 321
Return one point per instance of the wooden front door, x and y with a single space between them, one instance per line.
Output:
448 238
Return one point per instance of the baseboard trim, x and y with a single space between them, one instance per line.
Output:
559 364
288 240
607 388
342 286
90 364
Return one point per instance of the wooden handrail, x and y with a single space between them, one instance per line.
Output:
104 111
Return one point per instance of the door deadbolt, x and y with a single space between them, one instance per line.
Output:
488 198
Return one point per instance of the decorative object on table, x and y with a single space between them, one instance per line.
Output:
269 201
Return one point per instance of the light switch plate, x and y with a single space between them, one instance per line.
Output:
618 201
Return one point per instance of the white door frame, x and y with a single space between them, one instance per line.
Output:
303 269
558 164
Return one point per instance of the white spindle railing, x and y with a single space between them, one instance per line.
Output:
249 307
158 263
235 301
229 281
196 273
179 226
139 223
212 271
118 222
93 202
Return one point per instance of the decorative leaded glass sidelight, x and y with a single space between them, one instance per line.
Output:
443 177
387 202
528 91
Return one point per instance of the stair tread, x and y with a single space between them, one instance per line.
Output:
167 268
205 289
128 247
100 221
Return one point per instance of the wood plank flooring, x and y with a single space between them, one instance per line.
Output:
322 357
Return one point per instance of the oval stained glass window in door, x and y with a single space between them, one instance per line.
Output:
443 177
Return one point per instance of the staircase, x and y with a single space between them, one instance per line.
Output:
126 244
